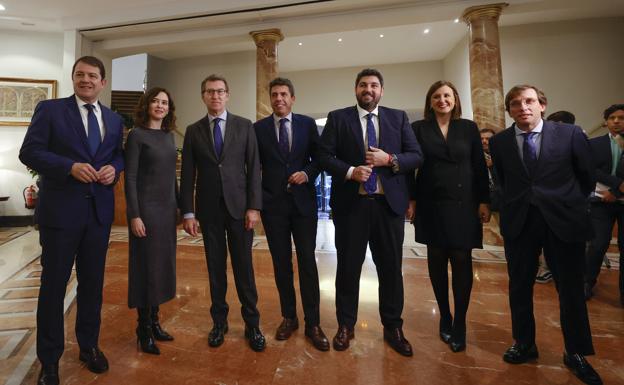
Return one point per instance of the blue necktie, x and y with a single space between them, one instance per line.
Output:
95 137
283 138
370 186
218 137
529 153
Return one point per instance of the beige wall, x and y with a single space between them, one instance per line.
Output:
405 85
183 78
457 71
578 64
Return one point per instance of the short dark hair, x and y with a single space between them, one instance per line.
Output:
369 72
562 116
519 88
612 109
428 112
282 82
484 130
92 61
141 112
214 78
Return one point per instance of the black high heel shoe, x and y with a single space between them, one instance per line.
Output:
445 329
159 333
457 342
145 339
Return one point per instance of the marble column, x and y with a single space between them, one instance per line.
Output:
486 76
267 67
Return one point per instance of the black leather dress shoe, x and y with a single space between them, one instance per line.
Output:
342 337
217 334
48 375
397 341
257 343
318 338
520 353
95 360
286 328
581 369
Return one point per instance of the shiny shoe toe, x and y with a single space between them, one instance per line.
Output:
581 369
217 334
257 343
94 358
48 375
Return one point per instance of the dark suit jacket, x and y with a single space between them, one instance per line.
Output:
563 180
603 162
55 140
276 168
343 147
235 176
455 168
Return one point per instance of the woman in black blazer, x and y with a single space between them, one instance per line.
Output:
451 195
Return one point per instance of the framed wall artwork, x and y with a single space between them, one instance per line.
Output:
19 97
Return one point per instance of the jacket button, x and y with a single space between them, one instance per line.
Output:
459 185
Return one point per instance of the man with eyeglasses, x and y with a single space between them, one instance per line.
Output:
221 167
546 174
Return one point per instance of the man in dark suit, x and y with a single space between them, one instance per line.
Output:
607 204
75 146
369 150
287 143
220 190
546 174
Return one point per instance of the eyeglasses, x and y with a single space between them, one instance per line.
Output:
219 92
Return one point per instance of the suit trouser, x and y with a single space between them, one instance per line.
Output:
214 227
87 244
370 221
603 216
279 225
566 261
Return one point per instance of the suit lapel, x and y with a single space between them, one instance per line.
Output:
73 114
356 127
229 136
206 134
548 137
296 134
107 118
514 151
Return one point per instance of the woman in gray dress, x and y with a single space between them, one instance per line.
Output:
151 197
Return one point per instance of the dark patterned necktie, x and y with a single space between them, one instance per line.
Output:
370 186
529 152
94 135
218 137
283 138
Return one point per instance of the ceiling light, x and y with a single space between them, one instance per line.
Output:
2 8
300 43
426 31
456 20
339 39
381 35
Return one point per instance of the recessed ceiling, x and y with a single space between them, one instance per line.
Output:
172 29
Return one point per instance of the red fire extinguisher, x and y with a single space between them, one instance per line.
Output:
30 197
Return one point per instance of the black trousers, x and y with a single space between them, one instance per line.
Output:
215 227
371 221
86 245
603 216
566 261
279 224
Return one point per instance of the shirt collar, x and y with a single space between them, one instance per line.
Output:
81 103
362 112
222 116
277 119
537 129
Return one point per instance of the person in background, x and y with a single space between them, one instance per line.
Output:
486 134
451 196
151 200
607 202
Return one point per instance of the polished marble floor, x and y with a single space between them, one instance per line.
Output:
189 360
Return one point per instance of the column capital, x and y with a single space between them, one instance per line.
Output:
273 34
489 11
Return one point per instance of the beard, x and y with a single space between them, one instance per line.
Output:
368 105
